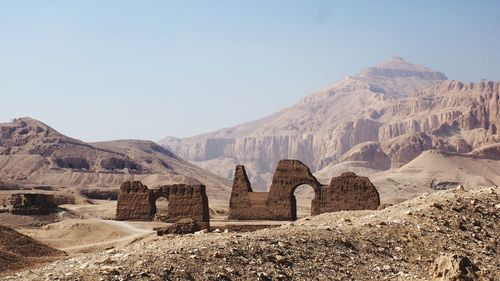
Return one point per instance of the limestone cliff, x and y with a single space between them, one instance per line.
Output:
390 112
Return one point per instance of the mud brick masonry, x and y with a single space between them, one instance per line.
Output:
346 192
137 202
32 204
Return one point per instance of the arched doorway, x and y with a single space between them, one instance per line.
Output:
302 200
161 209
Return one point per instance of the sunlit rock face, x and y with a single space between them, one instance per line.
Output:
388 114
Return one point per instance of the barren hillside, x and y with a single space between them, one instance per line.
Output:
430 171
384 116
32 153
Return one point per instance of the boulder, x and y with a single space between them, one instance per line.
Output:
183 226
453 267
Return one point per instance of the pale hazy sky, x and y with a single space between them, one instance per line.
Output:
102 70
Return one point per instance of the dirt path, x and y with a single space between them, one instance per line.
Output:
134 234
90 235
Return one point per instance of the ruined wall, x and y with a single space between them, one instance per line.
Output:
32 204
349 192
245 204
288 176
277 204
137 202
185 201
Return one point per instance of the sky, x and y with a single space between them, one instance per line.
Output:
103 70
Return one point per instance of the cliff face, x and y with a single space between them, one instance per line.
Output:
396 109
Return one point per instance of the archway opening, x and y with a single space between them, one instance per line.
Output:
161 206
303 196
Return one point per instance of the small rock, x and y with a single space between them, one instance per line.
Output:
453 267
200 232
280 259
106 260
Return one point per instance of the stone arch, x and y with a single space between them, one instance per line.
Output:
288 176
277 204
155 197
294 203
346 192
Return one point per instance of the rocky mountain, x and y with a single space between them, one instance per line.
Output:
380 118
32 153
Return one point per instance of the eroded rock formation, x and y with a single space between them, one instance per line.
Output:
392 112
137 202
347 192
32 152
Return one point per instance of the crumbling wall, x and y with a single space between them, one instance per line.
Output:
277 204
185 201
288 176
245 204
137 202
32 204
347 192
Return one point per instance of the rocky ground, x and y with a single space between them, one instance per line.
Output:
432 237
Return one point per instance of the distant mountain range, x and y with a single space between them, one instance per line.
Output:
32 153
376 120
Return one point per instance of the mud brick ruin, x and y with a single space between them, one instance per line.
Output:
137 202
32 204
346 192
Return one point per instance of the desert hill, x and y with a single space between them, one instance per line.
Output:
384 116
18 250
430 171
32 153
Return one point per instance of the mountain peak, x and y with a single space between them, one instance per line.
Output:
394 61
398 67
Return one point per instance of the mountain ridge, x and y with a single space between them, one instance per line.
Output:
406 113
33 153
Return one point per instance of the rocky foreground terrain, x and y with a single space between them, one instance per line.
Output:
447 235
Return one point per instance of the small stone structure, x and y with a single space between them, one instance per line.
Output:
347 192
137 202
32 204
